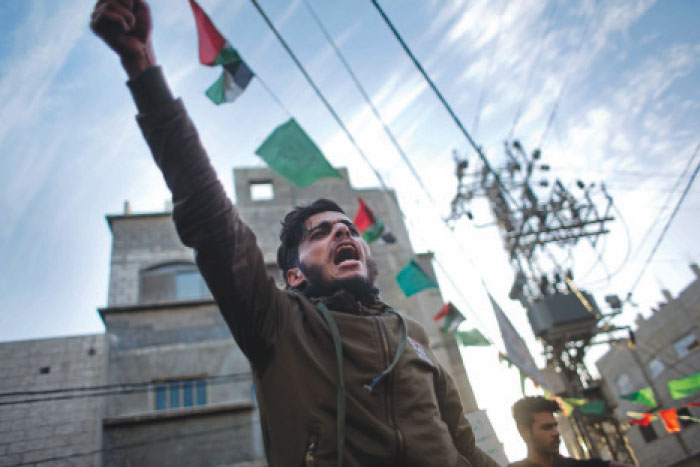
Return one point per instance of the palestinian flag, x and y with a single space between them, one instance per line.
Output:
215 50
370 226
451 316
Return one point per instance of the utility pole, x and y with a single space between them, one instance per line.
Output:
540 222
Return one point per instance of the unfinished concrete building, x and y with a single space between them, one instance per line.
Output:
667 348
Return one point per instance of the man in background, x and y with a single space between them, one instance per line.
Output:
534 417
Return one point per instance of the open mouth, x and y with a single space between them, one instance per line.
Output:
346 252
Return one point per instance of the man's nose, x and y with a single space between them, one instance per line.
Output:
341 230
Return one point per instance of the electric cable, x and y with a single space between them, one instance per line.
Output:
650 353
115 386
531 72
110 390
657 218
368 100
318 92
440 97
665 229
489 66
557 100
628 251
137 444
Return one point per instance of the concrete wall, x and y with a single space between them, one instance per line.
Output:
139 242
627 370
160 343
31 431
218 436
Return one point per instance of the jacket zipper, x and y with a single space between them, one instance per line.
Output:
309 460
398 435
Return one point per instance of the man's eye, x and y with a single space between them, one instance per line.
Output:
354 231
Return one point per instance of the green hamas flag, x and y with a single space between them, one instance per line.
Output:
593 408
412 279
684 387
473 337
643 396
291 153
574 401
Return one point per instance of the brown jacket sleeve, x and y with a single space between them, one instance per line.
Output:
226 249
453 415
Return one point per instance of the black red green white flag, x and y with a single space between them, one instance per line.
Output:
215 50
367 223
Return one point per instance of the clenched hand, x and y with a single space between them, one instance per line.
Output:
125 26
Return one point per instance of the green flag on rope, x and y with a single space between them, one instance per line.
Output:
643 396
593 408
473 337
412 279
291 153
684 387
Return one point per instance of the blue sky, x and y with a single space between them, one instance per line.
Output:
629 114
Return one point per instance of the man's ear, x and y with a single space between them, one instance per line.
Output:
295 278
525 433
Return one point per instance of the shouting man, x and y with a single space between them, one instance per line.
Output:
336 382
534 417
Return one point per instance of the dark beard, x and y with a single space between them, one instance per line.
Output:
362 288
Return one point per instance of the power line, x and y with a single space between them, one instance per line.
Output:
109 390
430 82
137 444
318 92
625 260
531 72
111 386
668 224
368 100
555 107
667 202
482 94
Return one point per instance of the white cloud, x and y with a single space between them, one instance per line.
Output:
34 61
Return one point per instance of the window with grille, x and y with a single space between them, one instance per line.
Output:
624 383
685 345
182 393
171 282
656 367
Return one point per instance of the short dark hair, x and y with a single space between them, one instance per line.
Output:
293 230
524 410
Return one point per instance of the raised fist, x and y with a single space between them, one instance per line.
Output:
125 26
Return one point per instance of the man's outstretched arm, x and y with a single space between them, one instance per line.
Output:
226 250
